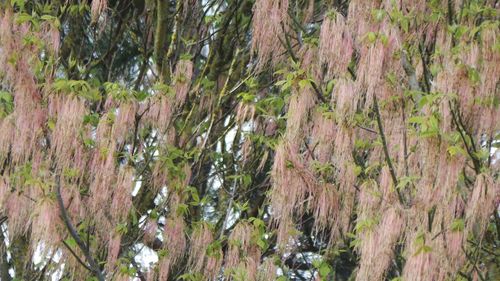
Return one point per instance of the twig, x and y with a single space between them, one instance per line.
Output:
76 256
405 138
386 151
461 130
72 231
367 129
288 47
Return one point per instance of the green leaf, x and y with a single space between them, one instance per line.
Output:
474 76
455 150
23 18
371 37
134 217
329 86
280 83
6 103
416 119
405 24
186 56
378 14
92 119
262 244
48 17
19 3
304 83
6 96
406 181
140 95
358 170
247 97
457 225
89 143
324 270
71 243
182 209
482 154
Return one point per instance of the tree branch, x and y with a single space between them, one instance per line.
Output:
76 256
94 267
386 151
461 130
288 47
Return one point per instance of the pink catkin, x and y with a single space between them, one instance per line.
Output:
18 208
370 69
377 249
489 73
28 116
309 12
97 8
164 266
245 112
359 18
309 61
302 101
182 81
114 245
160 111
150 231
336 45
291 183
124 120
213 265
481 203
7 127
175 242
322 132
267 270
325 207
345 98
52 37
44 223
68 112
73 201
121 203
104 175
269 17
200 239
242 252
454 251
4 192
199 259
423 263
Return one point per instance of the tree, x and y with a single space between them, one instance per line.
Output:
249 140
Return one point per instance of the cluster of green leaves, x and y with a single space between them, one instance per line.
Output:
6 104
79 88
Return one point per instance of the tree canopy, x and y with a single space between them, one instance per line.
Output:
249 140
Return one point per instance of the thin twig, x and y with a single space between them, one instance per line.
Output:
461 131
386 151
289 49
76 256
